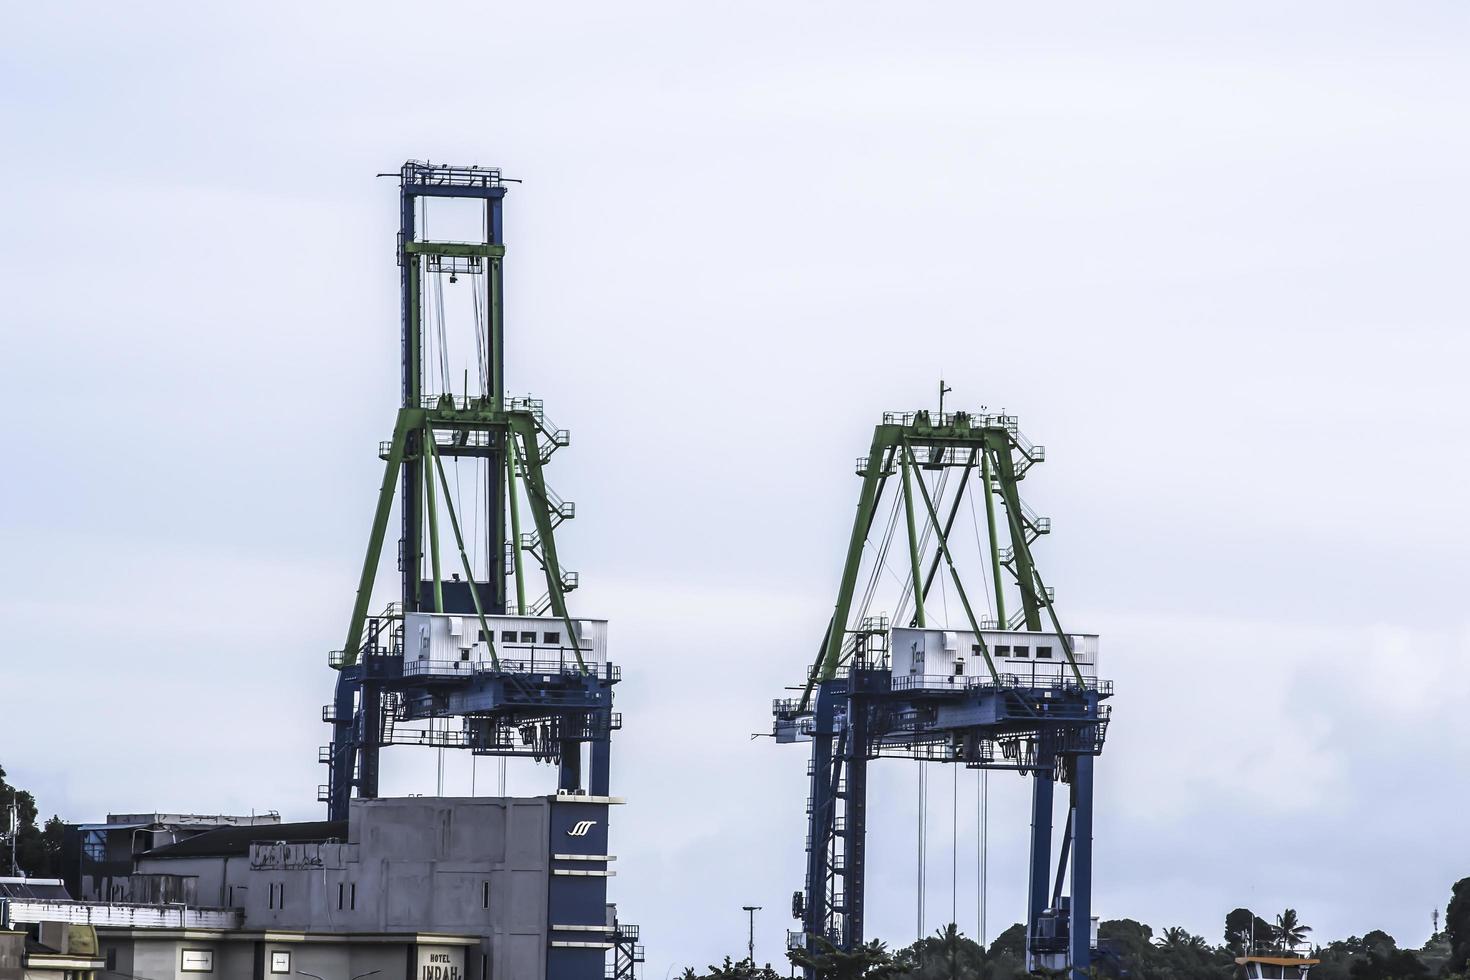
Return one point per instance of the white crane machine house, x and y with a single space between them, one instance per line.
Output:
456 644
946 658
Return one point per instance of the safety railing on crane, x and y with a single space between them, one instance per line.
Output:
563 665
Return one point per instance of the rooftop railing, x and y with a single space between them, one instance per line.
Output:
121 915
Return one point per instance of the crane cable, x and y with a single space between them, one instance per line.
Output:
923 819
982 784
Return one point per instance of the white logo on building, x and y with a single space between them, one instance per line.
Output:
581 828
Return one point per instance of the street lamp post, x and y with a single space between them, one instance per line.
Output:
750 947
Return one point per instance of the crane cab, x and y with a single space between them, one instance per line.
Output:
455 644
936 658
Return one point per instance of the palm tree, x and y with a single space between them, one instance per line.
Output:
1179 939
1288 932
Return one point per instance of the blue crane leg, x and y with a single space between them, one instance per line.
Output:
570 774
1081 924
855 824
814 920
344 744
599 780
1041 797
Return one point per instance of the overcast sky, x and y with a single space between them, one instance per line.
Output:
1212 254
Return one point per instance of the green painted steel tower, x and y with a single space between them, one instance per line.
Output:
479 640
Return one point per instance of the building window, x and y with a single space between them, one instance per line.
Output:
352 897
280 961
111 959
551 637
1043 653
277 897
507 636
484 894
1000 650
196 961
1020 651
341 895
482 636
528 637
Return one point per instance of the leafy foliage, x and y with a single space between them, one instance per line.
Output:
1131 949
1388 964
37 849
869 962
1288 931
1457 926
1242 926
730 970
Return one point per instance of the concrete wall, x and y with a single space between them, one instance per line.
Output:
468 866
245 956
214 876
12 954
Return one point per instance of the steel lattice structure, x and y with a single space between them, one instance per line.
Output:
856 706
545 706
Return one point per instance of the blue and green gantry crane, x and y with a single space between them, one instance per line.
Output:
522 676
999 686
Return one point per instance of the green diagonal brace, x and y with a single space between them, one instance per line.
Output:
884 437
407 419
515 524
908 513
427 439
469 572
524 426
954 509
1057 625
1025 570
1000 595
955 575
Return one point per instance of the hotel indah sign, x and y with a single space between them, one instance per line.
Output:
441 963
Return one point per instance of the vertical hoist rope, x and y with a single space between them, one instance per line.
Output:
923 816
954 848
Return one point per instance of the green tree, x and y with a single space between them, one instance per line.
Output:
951 955
37 850
1243 925
1436 954
1288 931
869 962
732 970
1388 964
1457 926
1011 942
1132 939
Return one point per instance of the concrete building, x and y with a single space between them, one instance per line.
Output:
44 950
477 888
99 857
